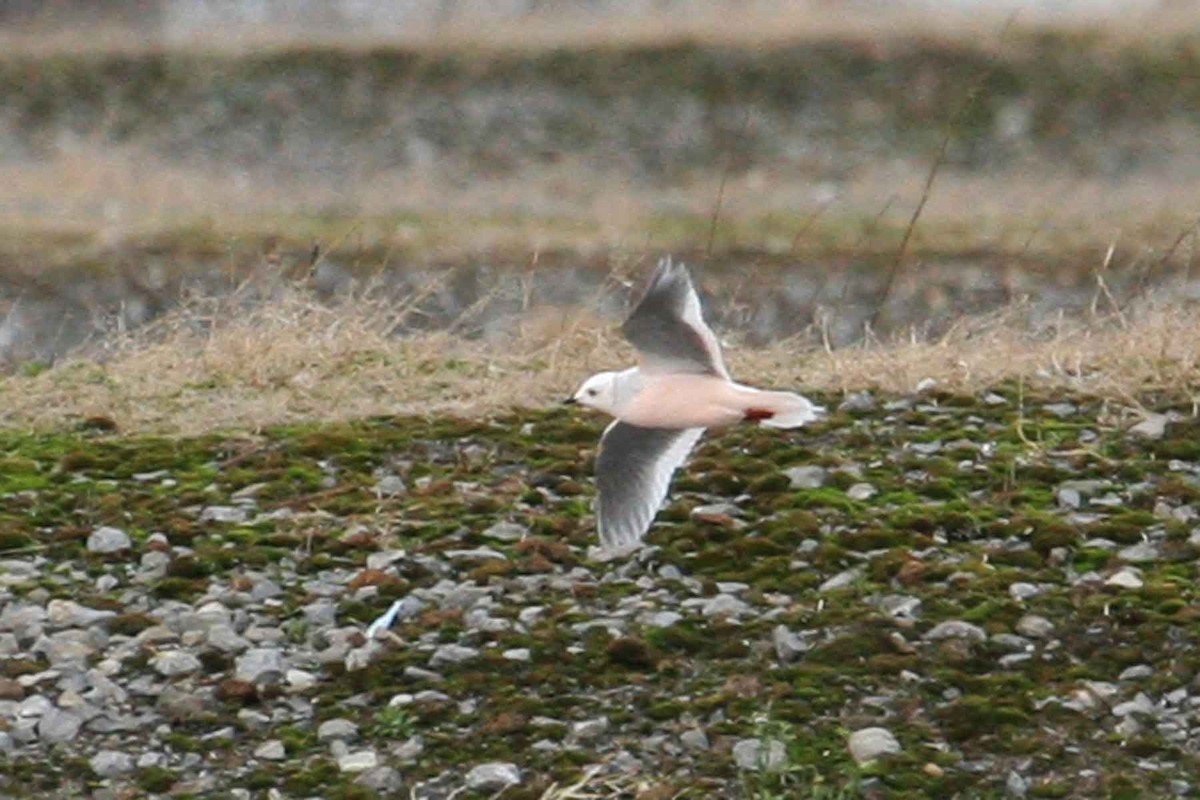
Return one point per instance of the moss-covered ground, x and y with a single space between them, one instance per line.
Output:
973 518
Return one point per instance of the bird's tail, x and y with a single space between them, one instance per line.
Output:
784 410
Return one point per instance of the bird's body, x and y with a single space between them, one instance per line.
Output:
663 406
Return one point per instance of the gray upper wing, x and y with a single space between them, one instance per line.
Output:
668 328
633 470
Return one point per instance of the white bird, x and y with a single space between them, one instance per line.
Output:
662 406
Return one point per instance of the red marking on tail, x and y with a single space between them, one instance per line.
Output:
755 414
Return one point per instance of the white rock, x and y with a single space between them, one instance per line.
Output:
956 629
808 477
173 663
271 750
110 763
748 755
1034 626
493 776
1125 578
255 664
841 580
452 654
358 761
861 491
869 744
339 728
108 540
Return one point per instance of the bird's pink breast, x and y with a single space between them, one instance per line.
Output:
688 401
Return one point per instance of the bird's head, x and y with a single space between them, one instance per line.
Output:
598 391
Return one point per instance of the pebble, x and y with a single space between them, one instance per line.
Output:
807 477
452 654
694 739
57 725
589 729
69 614
271 750
389 486
788 645
841 580
173 663
956 629
493 776
506 532
724 605
108 540
358 761
748 755
339 728
869 744
861 491
259 663
111 763
1023 591
1140 553
1034 626
1125 578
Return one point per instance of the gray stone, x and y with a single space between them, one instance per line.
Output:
809 477
69 614
225 638
57 725
517 654
390 485
858 401
1136 672
506 532
260 663
589 729
1140 705
1060 410
841 580
724 605
1125 578
956 629
788 646
383 780
1068 497
228 514
694 739
173 663
1140 553
452 654
1034 626
493 776
339 728
358 761
869 744
1023 591
111 763
271 750
299 680
660 619
748 754
108 540
861 491
1016 785
1152 427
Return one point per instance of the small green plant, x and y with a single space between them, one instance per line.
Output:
394 723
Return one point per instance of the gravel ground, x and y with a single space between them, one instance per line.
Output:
924 596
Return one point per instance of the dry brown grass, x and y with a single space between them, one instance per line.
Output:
213 365
112 197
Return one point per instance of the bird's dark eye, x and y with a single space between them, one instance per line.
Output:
591 392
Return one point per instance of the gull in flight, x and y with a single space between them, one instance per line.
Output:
662 407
